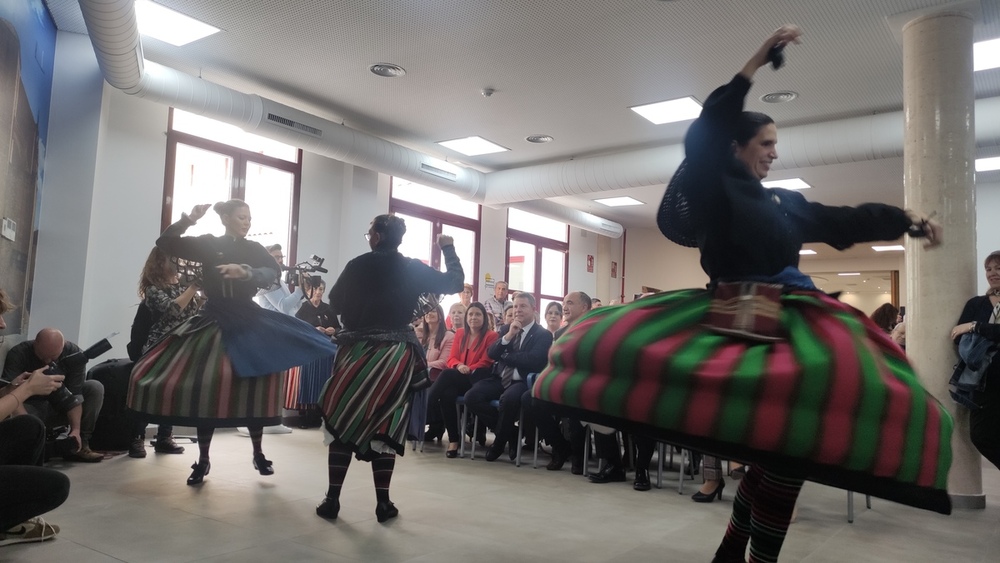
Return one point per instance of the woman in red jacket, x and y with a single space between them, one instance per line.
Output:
467 364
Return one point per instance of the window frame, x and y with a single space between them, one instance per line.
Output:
237 189
539 242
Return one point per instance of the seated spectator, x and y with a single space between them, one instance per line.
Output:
303 386
508 316
467 364
597 302
437 342
27 489
466 300
885 317
575 304
497 304
79 407
553 316
522 349
456 316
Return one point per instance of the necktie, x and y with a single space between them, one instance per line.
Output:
507 376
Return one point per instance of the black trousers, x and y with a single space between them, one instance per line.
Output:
545 419
984 423
449 386
501 420
27 490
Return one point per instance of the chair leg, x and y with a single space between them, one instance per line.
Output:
475 432
461 432
685 455
868 501
534 459
586 450
850 507
660 452
520 437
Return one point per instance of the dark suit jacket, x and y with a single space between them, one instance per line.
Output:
531 357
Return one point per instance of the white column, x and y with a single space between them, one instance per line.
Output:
938 158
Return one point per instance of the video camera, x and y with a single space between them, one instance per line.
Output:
313 264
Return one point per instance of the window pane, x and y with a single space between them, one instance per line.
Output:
537 225
521 266
417 240
200 176
231 135
433 198
269 195
465 247
553 272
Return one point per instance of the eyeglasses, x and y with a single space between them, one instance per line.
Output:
368 236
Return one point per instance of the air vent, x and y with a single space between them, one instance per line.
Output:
427 168
387 70
291 124
779 97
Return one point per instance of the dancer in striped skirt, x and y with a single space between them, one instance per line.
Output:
380 362
224 366
799 384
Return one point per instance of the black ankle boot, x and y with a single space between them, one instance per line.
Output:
329 508
385 511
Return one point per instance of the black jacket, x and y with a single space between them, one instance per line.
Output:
531 357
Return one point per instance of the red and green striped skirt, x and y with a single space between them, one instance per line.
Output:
187 379
837 400
368 396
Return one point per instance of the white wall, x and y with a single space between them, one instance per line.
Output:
652 260
583 244
492 249
987 229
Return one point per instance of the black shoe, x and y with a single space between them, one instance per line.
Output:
137 448
512 449
452 454
262 464
610 474
577 465
559 457
329 508
200 470
167 445
641 480
709 497
494 452
385 511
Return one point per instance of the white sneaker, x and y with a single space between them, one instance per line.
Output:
33 530
279 429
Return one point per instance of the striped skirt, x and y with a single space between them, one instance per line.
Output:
368 396
836 400
187 379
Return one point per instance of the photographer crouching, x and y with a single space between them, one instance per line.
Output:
78 402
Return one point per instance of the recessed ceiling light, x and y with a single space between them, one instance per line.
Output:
987 164
473 146
789 184
779 97
619 201
670 111
806 252
387 70
539 138
888 248
986 55
169 26
849 274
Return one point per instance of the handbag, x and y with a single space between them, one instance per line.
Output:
750 310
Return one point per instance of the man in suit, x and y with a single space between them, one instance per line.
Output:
523 348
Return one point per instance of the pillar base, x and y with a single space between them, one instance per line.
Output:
968 502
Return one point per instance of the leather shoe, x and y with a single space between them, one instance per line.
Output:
494 452
577 465
167 445
329 508
512 450
610 474
709 497
385 511
559 457
137 448
641 480
84 454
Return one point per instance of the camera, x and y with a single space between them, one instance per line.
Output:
313 264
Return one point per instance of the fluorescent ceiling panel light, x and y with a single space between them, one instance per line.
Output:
987 164
670 111
160 22
619 201
472 146
889 248
806 252
789 184
849 274
986 55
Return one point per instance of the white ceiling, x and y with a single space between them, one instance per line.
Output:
566 68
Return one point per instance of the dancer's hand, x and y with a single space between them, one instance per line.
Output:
926 227
198 211
233 272
784 35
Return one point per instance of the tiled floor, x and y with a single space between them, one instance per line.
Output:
453 510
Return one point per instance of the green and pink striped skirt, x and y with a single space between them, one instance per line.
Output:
366 402
836 400
187 379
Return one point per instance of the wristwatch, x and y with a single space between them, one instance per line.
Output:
972 329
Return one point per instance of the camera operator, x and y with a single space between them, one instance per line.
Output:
277 297
79 401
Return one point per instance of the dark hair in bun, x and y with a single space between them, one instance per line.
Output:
227 207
